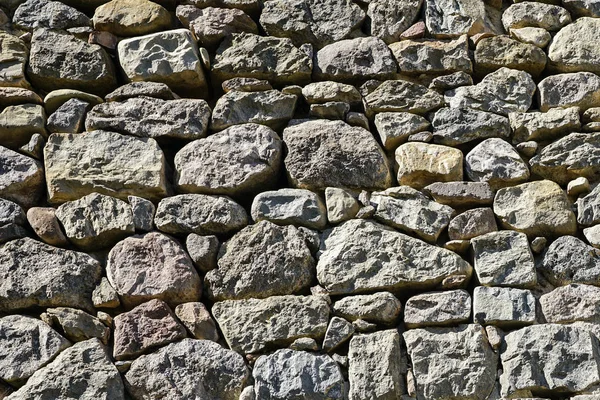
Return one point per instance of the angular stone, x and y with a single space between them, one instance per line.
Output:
394 128
290 317
152 118
143 213
353 60
338 332
588 208
570 303
69 117
105 296
449 18
290 207
376 366
472 223
78 325
44 223
574 48
246 85
536 36
14 96
188 369
432 56
452 81
155 90
14 58
570 157
402 96
261 260
328 91
456 126
201 214
180 66
34 14
350 250
252 56
152 266
592 235
58 97
341 205
325 153
502 51
276 376
304 344
21 179
577 89
379 308
461 194
203 251
12 221
582 8
503 307
388 19
131 17
538 208
103 162
504 259
570 260
420 164
503 91
534 14
196 318
540 126
271 108
495 161
442 369
18 123
438 309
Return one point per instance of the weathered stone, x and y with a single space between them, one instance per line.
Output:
276 376
420 164
21 179
376 366
196 318
538 208
534 14
261 260
153 118
455 126
271 108
402 96
472 223
14 96
298 207
461 194
592 235
246 85
12 221
570 260
179 67
304 344
388 19
152 266
291 317
573 48
338 332
542 126
26 345
536 36
341 205
578 89
18 123
330 110
379 308
502 51
14 58
83 371
203 251
34 14
574 302
143 213
442 369
44 223
354 60
96 221
252 56
582 8
503 91
201 214
131 17
69 117
350 250
328 91
77 325
449 18
452 81
105 296
588 208
137 89
503 307
103 162
394 128
58 97
437 309
571 366
495 161
325 153
432 56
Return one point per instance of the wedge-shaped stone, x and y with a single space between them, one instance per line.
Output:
452 18
497 162
379 308
445 308
570 260
402 96
388 19
77 325
455 126
588 208
394 128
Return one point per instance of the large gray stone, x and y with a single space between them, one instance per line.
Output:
388 19
542 126
503 307
570 260
420 164
290 207
379 308
452 18
402 96
535 14
495 161
19 122
576 89
14 58
472 223
432 56
502 51
570 303
35 14
574 47
455 126
450 307
22 178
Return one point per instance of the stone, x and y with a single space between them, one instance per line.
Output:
252 56
570 367
69 118
105 296
103 162
147 117
534 14
412 212
502 51
246 85
504 259
432 56
389 20
350 250
179 67
19 123
259 261
14 96
26 345
35 147
577 89
502 91
503 307
588 208
456 126
15 54
572 49
131 17
34 14
290 318
450 307
310 21
203 251
420 164
394 128
325 153
328 91
155 90
354 118
472 223
12 221
200 214
402 96
379 308
495 161
152 266
58 97
592 235
83 371
354 59
452 81
570 303
538 208
95 221
442 369
55 59
146 327
198 321
543 126
143 213
461 194
276 376
570 260
304 344
338 332
44 223
376 366
454 18
271 108
341 205
582 8
22 178
536 36
290 207
578 186
77 325
330 110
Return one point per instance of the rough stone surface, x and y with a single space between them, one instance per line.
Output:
324 92
22 178
503 307
461 194
572 48
420 164
495 161
290 207
570 260
131 17
438 309
576 89
18 123
537 15
35 14
570 303
402 96
198 321
455 126
77 325
394 128
432 57
380 308
448 18
472 223
542 126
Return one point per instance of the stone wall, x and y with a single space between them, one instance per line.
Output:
299 199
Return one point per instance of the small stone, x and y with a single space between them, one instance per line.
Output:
458 246
105 296
304 344
19 123
69 117
461 194
539 126
423 137
131 17
538 244
328 91
246 85
363 326
330 110
143 213
503 307
366 212
592 235
203 251
35 147
78 325
588 208
420 164
155 90
402 96
570 303
578 186
415 31
22 178
341 205
432 56
451 307
533 14
394 128
338 332
527 149
495 161
572 48
472 223
12 221
104 39
196 318
298 207
495 336
58 97
569 260
389 20
379 308
456 126
538 37
247 393
452 81
577 89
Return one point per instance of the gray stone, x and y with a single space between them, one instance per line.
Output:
143 213
472 223
536 36
22 178
592 235
190 369
388 19
152 118
394 128
495 161
271 108
201 214
574 48
328 91
198 321
69 117
155 90
276 377
291 317
569 260
58 97
14 58
455 126
298 207
504 259
19 123
131 17
338 332
402 96
241 159
77 325
450 18
330 110
420 164
582 8
588 208
351 250
542 126
246 85
438 309
203 251
105 296
152 266
341 205
502 51
304 344
461 194
576 89
35 14
44 223
12 221
570 303
379 308
503 307
261 260
534 14
452 81
432 56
